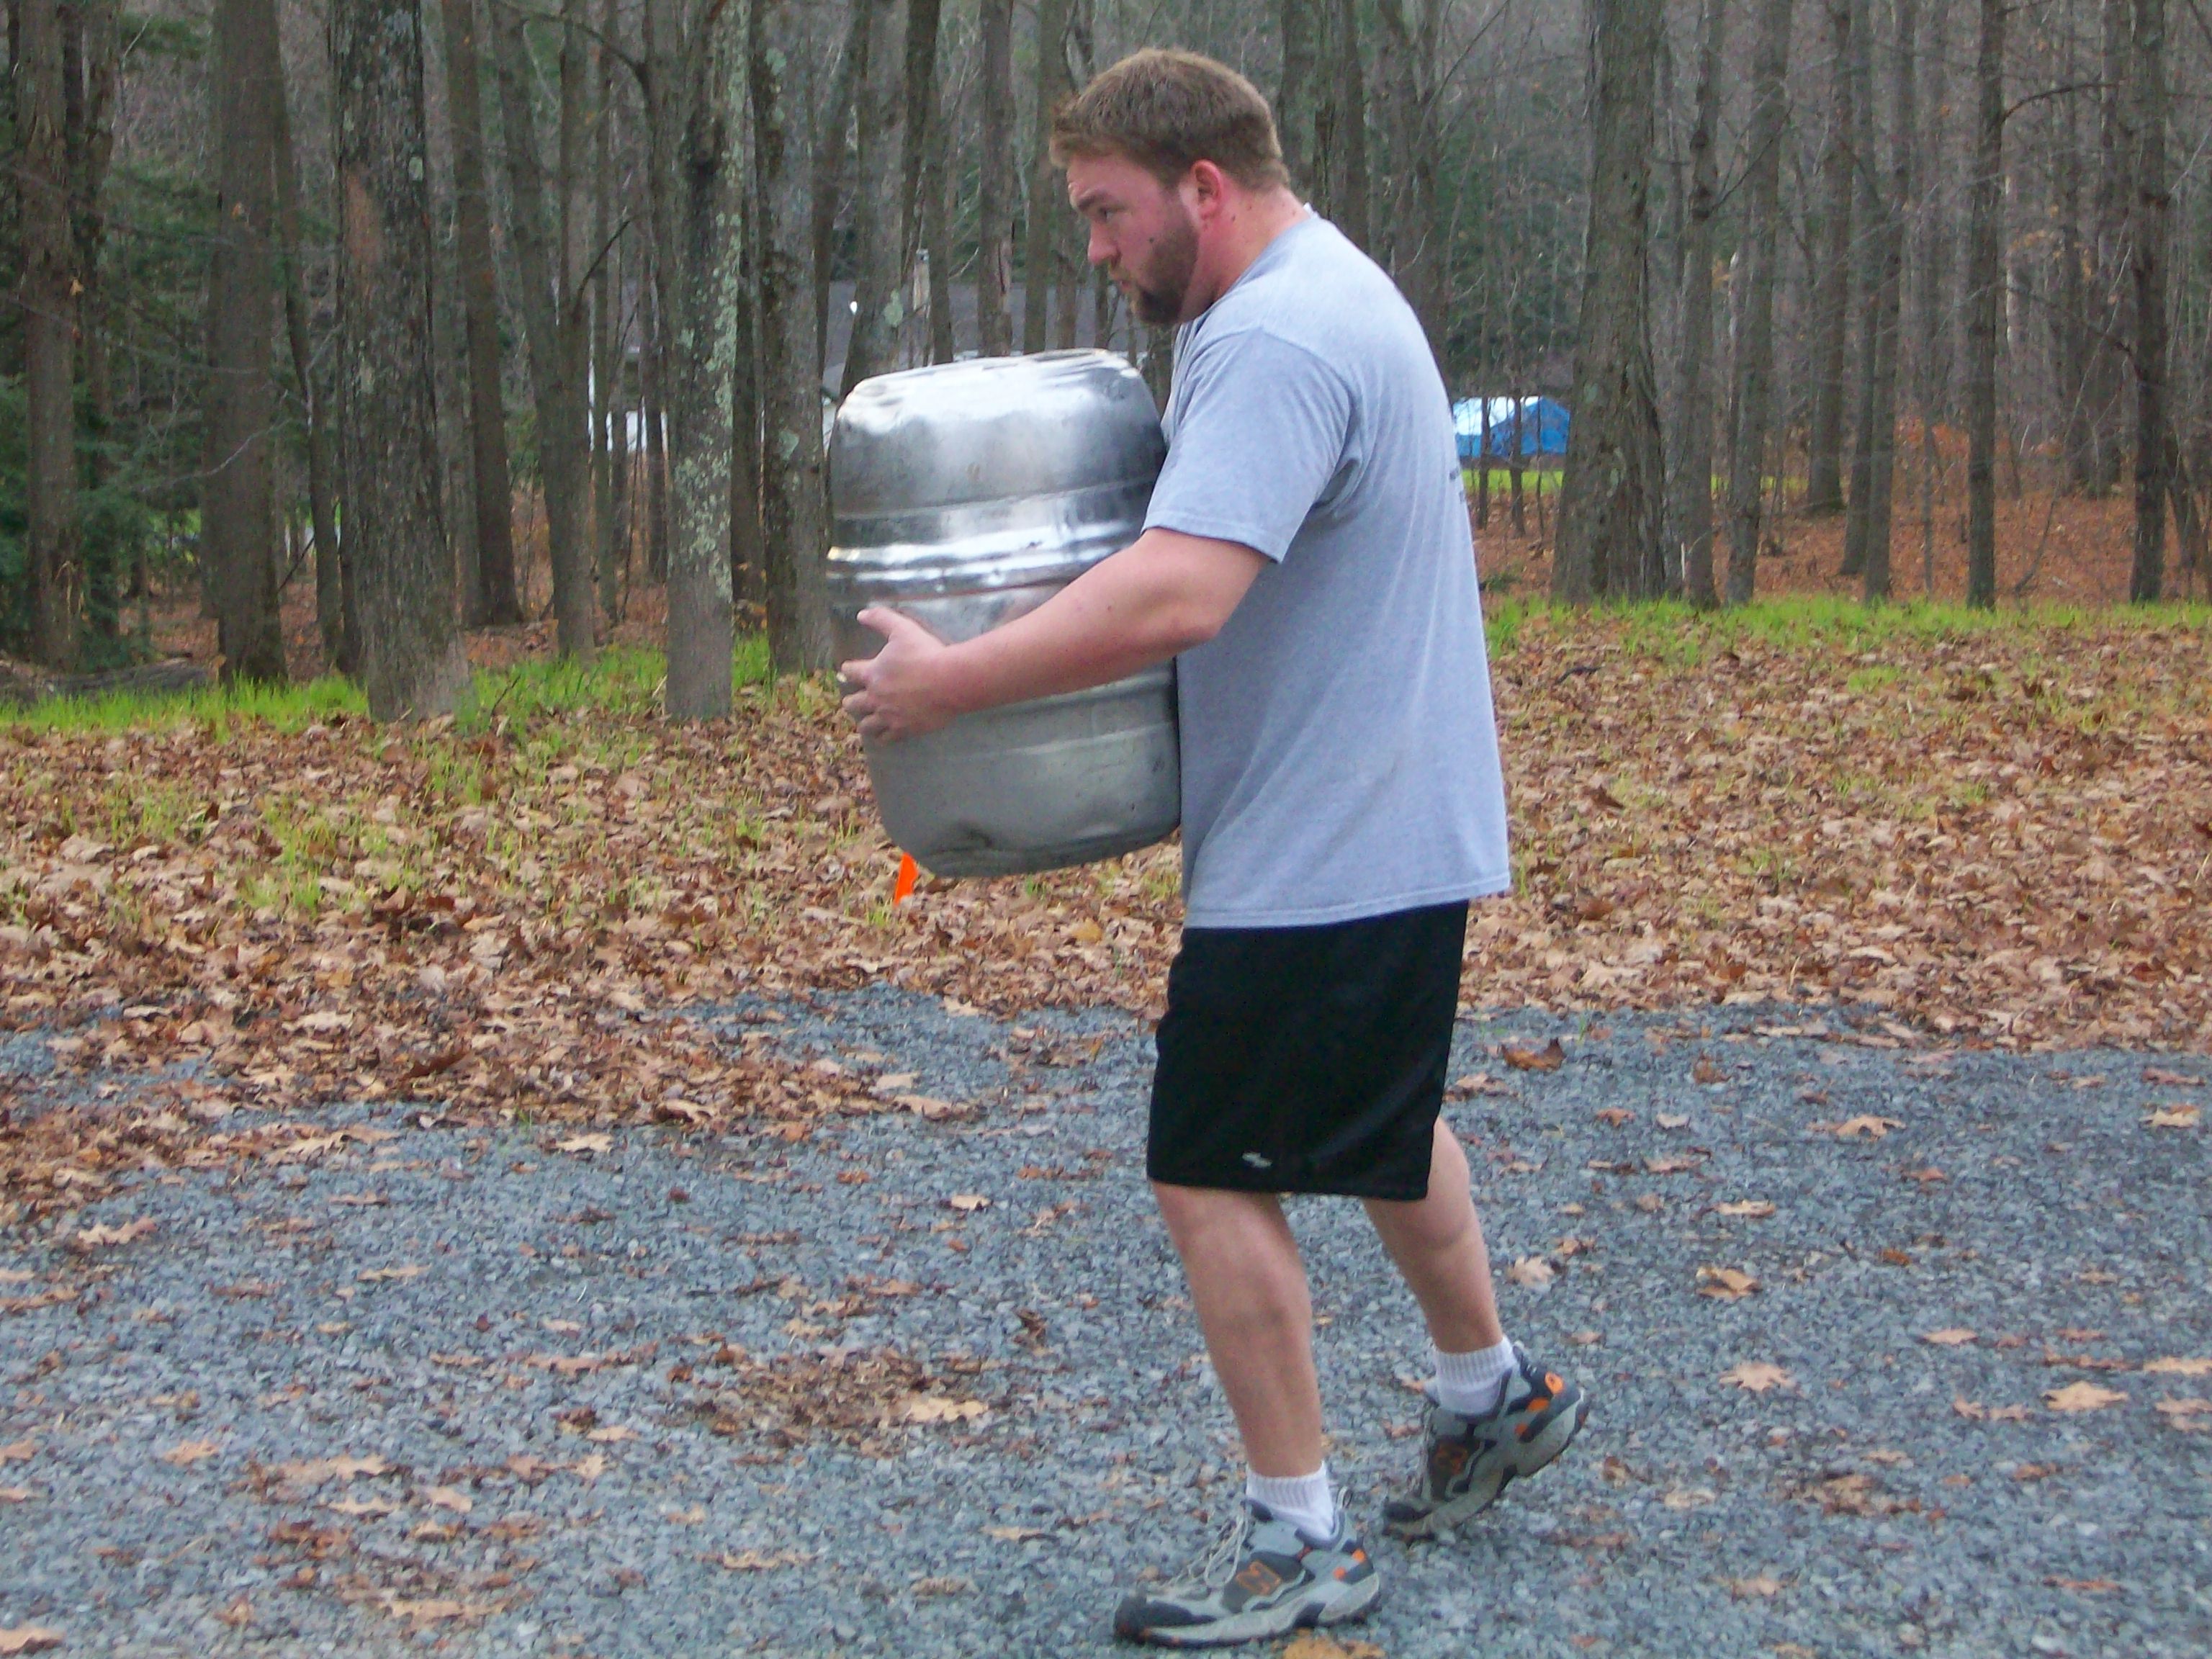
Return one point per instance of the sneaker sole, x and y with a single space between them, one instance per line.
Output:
1528 1459
1355 1601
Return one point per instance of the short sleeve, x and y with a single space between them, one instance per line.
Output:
1261 427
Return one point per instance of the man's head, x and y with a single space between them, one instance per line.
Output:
1167 154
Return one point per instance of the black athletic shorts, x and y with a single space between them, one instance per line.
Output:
1308 1060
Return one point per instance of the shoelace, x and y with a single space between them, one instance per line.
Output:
1218 1564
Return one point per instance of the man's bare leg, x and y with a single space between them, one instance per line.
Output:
1250 1288
1436 1243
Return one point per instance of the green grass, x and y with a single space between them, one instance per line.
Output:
623 681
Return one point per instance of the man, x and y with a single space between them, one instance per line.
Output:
1306 559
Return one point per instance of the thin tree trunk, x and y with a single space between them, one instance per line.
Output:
493 604
48 292
606 300
1295 101
830 149
1878 440
1350 183
541 267
794 529
1872 216
1418 252
878 228
2109 322
89 106
2070 330
1824 477
921 167
315 402
1754 366
1038 238
650 362
1932 279
412 662
2147 239
1984 297
238 503
701 196
994 212
1693 459
1612 509
939 173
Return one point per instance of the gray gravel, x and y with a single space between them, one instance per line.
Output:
1852 1510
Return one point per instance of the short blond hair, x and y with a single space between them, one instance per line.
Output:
1167 111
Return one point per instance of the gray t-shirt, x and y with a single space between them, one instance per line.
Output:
1339 756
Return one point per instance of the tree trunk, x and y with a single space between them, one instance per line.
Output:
412 662
830 148
1694 452
995 210
53 540
878 218
1419 247
90 37
314 400
794 528
2109 315
1831 319
1866 279
238 503
1754 366
541 268
940 171
1985 298
1879 438
650 376
1344 142
922 168
1044 178
2147 239
2070 330
698 150
607 302
1612 507
493 604
1297 101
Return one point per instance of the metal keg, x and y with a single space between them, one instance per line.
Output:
967 494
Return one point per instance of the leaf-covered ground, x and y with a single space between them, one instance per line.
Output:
1993 833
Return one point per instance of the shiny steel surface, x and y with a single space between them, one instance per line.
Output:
964 496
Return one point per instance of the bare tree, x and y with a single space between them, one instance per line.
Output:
995 210
793 508
696 65
541 239
238 527
1612 503
48 293
1044 212
1874 465
1413 45
1832 279
1754 364
1692 471
878 218
412 662
493 603
1985 300
2150 204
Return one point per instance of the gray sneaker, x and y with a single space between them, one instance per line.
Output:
1265 1577
1466 1461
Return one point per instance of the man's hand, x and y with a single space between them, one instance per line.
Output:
901 691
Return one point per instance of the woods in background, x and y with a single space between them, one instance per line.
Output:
483 312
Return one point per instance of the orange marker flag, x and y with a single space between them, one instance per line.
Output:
909 873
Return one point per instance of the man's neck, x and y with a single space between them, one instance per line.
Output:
1256 221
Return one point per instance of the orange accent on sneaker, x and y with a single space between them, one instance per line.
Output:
1257 1578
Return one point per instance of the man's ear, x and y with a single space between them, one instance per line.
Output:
1205 186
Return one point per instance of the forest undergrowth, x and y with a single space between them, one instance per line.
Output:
1945 828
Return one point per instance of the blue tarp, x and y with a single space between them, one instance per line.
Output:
1543 427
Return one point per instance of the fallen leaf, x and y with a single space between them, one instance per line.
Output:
1954 1337
949 1585
2185 1413
450 1497
1706 1072
1751 1209
1865 1126
759 1560
613 1434
238 1615
432 1611
1015 1534
2082 1397
591 1143
937 1408
1673 1120
16 1494
1725 1284
93 1237
1532 1271
967 1203
1757 1587
2159 1077
360 1507
379 1275
1549 1058
2082 1586
591 1466
18 1451
561 1326
190 1452
1758 1376
2173 1367
2173 1117
28 1638
1312 1644
1616 1115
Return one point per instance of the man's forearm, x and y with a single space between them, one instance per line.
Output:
1162 595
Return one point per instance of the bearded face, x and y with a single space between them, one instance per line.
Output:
1158 280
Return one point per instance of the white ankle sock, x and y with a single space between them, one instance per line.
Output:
1306 1501
1466 1383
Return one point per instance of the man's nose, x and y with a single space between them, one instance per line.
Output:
1101 250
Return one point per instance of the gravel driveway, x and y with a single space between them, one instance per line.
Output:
927 1384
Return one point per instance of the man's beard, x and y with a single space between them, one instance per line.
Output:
1157 292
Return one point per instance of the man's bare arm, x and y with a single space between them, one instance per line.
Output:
1162 594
